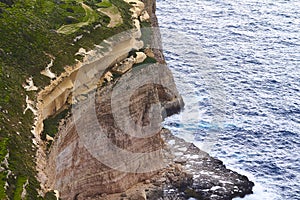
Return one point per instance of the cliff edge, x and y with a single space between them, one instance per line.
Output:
113 146
96 130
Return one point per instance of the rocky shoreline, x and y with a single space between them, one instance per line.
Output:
191 173
97 155
82 164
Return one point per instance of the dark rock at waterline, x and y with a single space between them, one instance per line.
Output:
191 173
211 180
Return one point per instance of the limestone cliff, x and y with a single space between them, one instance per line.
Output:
72 168
102 64
113 141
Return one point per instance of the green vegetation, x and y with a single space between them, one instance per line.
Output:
2 184
104 4
148 60
51 124
3 148
36 29
113 13
90 17
29 38
50 196
19 187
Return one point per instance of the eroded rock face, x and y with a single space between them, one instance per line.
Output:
211 179
191 173
84 160
150 7
113 145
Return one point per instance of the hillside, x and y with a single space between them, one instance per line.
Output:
32 34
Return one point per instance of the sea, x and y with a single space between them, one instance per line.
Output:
236 64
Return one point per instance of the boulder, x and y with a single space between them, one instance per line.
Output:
140 57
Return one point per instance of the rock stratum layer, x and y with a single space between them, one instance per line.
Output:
113 146
74 167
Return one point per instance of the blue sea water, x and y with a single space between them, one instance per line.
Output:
237 65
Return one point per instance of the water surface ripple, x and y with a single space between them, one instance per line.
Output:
237 65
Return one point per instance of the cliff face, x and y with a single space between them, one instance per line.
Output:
96 151
75 167
111 145
150 6
112 141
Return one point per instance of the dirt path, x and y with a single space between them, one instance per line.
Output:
114 14
90 17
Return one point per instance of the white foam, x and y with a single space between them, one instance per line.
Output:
178 153
171 142
259 191
216 188
182 149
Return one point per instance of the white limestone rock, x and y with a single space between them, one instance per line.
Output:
47 72
30 85
144 16
140 57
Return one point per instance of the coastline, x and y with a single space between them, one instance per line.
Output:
70 169
191 186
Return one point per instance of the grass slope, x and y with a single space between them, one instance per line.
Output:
90 17
28 35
